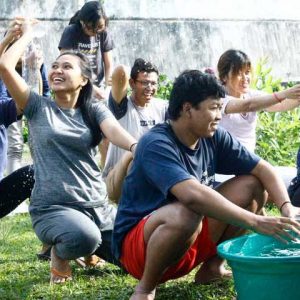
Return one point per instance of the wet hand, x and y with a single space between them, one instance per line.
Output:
14 29
281 228
27 25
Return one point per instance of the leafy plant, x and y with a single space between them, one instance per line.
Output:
277 133
164 87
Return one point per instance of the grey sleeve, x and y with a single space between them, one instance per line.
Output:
101 112
33 105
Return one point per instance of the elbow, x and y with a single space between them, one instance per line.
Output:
250 107
3 66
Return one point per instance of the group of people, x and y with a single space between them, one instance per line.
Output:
160 165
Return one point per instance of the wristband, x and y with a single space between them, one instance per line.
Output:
277 98
283 204
131 147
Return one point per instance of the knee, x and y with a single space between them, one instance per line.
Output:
185 220
258 191
77 244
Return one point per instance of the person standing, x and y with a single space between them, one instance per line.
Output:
87 33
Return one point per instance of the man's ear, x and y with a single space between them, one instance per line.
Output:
131 83
186 108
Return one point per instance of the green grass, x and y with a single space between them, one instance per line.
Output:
22 276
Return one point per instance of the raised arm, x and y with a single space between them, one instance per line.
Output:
15 84
280 101
12 34
120 83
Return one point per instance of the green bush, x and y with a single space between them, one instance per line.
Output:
277 133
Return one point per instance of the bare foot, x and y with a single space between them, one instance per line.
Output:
141 294
60 269
212 270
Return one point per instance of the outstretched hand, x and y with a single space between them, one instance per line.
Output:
280 228
291 93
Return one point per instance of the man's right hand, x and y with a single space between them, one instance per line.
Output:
278 227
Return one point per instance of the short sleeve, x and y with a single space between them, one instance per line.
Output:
225 102
232 156
162 165
68 38
33 105
101 112
107 43
118 110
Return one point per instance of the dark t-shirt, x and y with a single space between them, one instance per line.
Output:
162 161
74 38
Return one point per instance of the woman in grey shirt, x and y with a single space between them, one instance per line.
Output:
68 206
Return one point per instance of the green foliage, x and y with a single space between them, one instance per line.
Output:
277 133
22 276
278 137
25 130
164 87
262 78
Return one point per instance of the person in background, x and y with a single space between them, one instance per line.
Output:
87 33
137 113
241 103
16 187
169 218
239 111
68 207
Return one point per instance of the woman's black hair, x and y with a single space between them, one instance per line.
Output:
232 61
90 13
85 100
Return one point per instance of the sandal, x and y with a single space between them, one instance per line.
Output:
61 277
44 254
92 261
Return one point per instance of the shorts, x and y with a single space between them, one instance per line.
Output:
134 253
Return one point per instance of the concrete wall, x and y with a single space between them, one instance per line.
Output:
180 34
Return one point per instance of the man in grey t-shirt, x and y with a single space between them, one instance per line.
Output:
137 113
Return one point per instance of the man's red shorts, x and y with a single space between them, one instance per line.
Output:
134 252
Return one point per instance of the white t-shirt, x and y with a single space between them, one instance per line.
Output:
242 125
137 121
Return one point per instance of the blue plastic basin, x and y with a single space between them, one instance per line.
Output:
263 268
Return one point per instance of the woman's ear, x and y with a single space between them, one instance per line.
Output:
84 81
